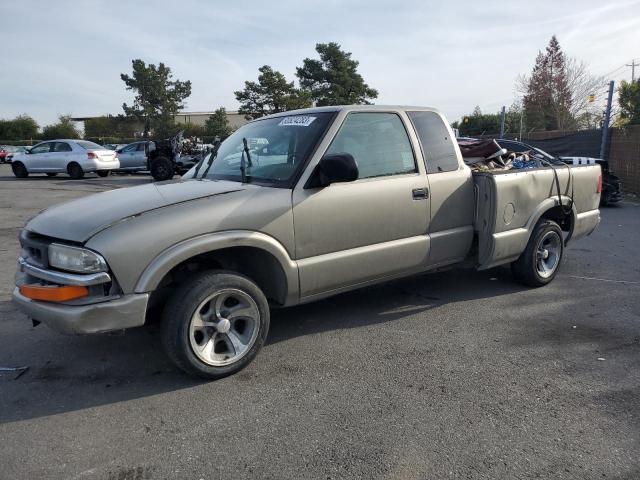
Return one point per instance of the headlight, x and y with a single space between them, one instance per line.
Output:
75 259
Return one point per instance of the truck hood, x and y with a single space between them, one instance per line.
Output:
79 220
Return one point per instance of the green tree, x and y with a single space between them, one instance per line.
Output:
334 79
22 127
191 129
110 126
629 101
270 94
65 128
217 125
158 98
548 98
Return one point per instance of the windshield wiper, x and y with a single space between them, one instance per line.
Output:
243 167
214 154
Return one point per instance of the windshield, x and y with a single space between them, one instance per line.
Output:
278 148
89 145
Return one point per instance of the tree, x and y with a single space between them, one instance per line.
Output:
22 127
547 95
629 101
334 79
557 94
217 125
158 97
110 126
65 128
270 94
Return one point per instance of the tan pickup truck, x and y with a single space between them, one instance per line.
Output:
291 208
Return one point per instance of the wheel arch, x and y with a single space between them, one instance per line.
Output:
256 255
551 209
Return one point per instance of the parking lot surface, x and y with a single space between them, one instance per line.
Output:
458 374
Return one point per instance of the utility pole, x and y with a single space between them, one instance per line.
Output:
605 123
502 122
633 69
521 113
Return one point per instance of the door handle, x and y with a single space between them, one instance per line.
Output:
420 193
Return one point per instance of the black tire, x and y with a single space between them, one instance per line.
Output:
19 170
103 173
181 308
75 171
51 174
162 169
530 269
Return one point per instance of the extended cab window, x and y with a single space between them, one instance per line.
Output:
437 145
378 142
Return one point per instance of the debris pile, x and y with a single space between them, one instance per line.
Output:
486 154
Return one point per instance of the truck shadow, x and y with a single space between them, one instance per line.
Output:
73 373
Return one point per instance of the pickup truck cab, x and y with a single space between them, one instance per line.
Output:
291 208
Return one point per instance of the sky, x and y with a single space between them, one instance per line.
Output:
65 57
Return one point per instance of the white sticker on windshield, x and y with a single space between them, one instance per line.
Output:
298 120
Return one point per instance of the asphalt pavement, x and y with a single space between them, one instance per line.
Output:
459 374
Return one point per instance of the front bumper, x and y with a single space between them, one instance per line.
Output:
117 314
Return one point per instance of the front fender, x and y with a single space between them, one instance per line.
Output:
172 256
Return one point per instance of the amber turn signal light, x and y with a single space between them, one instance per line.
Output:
53 293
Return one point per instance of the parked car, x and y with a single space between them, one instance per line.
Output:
133 157
75 157
376 193
13 150
4 152
610 183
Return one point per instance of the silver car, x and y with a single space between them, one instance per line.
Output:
133 157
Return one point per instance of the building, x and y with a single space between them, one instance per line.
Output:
199 118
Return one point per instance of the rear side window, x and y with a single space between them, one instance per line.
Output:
437 145
61 147
89 145
378 142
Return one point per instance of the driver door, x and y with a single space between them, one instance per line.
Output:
39 156
375 227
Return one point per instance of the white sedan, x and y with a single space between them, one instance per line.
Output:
75 157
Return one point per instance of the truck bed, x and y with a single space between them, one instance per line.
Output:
509 203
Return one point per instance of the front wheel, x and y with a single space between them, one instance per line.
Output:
215 324
539 262
162 169
19 170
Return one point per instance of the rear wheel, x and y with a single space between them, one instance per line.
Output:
214 324
539 262
75 171
19 170
103 173
162 169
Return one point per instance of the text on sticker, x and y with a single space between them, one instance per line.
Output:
298 120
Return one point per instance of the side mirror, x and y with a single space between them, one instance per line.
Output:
334 168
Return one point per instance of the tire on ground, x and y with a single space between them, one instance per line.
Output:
103 173
181 308
162 169
19 170
75 171
526 269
